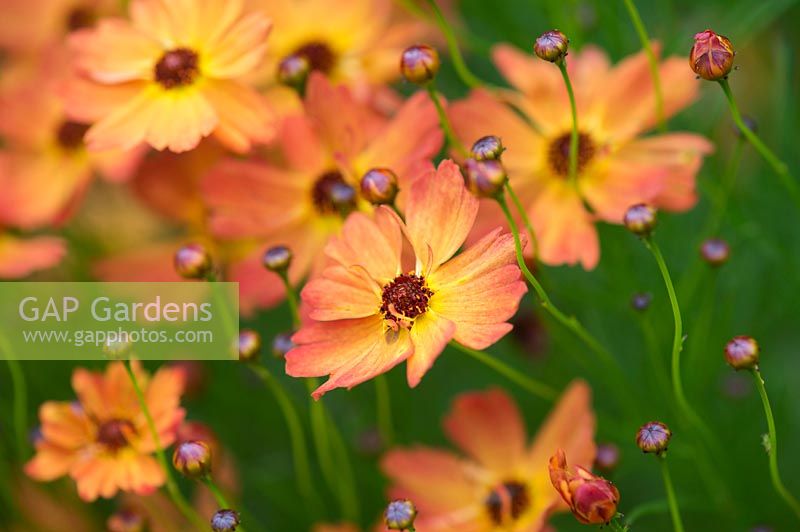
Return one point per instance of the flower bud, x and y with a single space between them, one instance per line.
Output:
400 514
249 345
282 344
593 500
749 122
379 186
343 197
117 348
742 353
419 63
225 521
126 520
488 147
192 459
277 259
711 56
653 437
607 457
640 219
641 301
486 178
715 251
551 46
193 261
293 71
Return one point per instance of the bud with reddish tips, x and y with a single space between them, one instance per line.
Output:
379 186
742 352
193 261
225 521
485 178
400 514
293 71
711 56
593 500
192 459
715 251
551 46
249 345
126 520
640 219
488 147
277 259
419 63
653 437
607 457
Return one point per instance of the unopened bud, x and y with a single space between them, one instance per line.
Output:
192 459
249 345
419 63
711 56
653 437
225 521
343 197
400 514
640 219
607 457
593 500
715 251
277 258
379 186
293 71
551 46
282 344
193 261
486 178
488 147
641 301
742 352
126 520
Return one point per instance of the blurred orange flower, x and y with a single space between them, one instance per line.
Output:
592 499
334 143
21 257
373 313
616 167
502 483
175 69
102 441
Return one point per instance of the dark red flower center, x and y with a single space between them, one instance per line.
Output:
559 151
319 55
114 434
406 296
324 189
507 502
80 17
70 135
177 68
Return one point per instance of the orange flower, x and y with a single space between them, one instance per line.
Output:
592 499
334 143
19 257
502 483
102 441
616 167
373 313
175 69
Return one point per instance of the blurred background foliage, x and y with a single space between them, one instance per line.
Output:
756 293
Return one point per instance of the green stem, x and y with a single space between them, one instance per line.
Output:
222 502
347 481
525 219
172 488
573 138
654 354
777 165
444 122
535 387
460 65
291 298
773 447
20 404
297 439
652 61
674 510
384 405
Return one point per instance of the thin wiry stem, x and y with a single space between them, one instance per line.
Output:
384 407
291 298
674 509
222 502
525 219
20 393
573 137
460 65
651 60
444 122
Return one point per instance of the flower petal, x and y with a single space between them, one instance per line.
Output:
244 115
430 334
19 258
114 52
340 294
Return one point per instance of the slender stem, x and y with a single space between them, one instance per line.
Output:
652 61
616 525
291 298
674 510
727 185
172 488
573 138
297 438
20 405
654 354
525 219
347 482
535 387
222 502
384 405
773 447
455 53
778 166
444 122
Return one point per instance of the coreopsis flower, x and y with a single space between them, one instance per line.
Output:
176 69
369 313
102 440
502 483
19 257
333 144
592 499
617 167
711 56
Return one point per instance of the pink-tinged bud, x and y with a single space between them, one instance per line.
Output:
711 57
225 521
126 520
653 437
379 186
277 259
640 219
249 345
419 63
282 344
293 71
193 261
715 251
593 500
486 178
607 457
400 515
551 46
192 459
742 352
488 147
